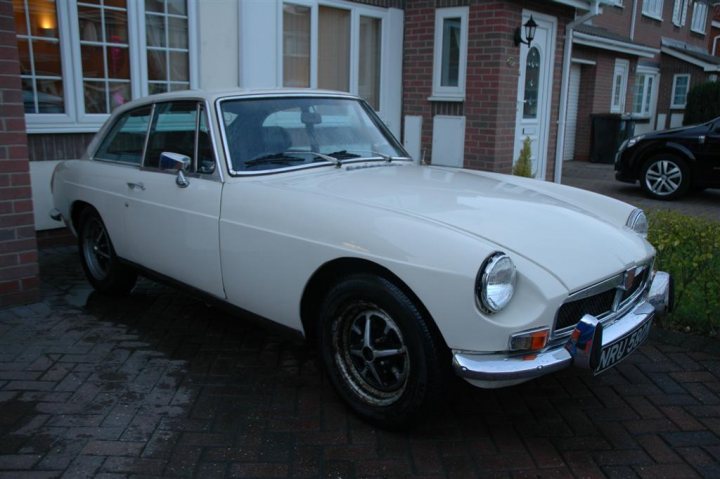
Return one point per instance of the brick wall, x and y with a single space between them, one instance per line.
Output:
669 68
18 247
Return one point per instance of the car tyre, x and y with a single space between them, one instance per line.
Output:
380 351
665 177
103 269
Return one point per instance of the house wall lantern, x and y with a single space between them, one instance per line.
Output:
529 27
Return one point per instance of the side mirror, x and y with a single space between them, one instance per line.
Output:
174 161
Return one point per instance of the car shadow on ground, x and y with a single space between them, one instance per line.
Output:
159 383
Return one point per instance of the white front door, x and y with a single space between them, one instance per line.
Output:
619 87
572 112
535 91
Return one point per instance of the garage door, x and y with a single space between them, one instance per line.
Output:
572 113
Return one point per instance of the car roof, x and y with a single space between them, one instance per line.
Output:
212 95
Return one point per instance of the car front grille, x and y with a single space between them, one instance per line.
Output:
602 300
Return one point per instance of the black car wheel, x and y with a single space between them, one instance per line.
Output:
665 177
102 267
379 351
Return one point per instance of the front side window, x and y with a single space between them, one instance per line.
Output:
451 25
653 8
681 86
173 130
699 18
281 133
168 53
126 139
38 43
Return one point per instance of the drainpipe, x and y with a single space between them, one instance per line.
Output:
567 60
633 20
715 43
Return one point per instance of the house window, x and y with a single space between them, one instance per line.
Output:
451 33
168 52
296 46
81 59
619 86
680 12
40 61
699 18
334 49
643 93
105 56
653 8
324 46
681 85
369 71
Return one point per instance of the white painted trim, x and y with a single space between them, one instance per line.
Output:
443 91
708 67
581 38
582 61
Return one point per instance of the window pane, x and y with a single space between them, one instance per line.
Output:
116 26
28 89
179 66
176 7
20 19
90 22
93 61
168 51
155 30
95 97
296 46
157 65
369 74
450 52
638 94
118 60
178 32
47 58
119 94
24 53
334 49
532 83
157 88
116 3
50 96
126 140
155 6
43 19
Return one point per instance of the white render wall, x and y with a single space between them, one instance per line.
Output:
218 43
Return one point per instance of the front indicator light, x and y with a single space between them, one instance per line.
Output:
530 340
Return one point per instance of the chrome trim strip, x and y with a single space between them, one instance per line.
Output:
514 367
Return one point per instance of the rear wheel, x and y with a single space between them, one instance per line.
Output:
665 177
379 351
102 267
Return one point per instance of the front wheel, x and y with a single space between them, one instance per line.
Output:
665 177
379 351
102 267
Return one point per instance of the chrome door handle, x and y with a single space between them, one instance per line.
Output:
136 186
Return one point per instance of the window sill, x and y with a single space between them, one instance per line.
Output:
678 107
447 98
702 34
652 17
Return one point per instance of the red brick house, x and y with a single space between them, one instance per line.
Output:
714 38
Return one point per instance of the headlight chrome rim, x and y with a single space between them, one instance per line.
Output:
638 222
494 302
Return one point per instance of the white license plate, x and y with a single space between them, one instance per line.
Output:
621 348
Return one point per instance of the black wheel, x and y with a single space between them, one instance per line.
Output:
665 177
102 267
379 351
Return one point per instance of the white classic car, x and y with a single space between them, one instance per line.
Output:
302 208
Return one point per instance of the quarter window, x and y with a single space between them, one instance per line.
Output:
681 85
126 139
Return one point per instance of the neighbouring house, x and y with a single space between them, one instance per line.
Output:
714 38
456 80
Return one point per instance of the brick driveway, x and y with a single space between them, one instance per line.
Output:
160 384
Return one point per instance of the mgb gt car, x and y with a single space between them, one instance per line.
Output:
302 208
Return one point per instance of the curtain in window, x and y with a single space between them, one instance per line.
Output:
334 49
369 74
296 46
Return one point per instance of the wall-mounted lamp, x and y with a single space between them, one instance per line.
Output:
529 27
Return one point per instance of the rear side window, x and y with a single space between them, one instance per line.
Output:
126 139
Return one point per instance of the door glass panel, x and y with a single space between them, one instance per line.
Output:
334 49
532 83
126 139
450 72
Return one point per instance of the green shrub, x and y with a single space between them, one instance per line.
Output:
523 166
689 249
703 103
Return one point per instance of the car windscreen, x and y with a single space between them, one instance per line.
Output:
274 133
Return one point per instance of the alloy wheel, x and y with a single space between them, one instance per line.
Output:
663 177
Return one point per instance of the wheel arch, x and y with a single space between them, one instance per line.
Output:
76 211
333 271
669 147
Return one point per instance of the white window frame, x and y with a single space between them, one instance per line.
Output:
625 66
673 91
617 3
649 94
75 120
356 11
446 93
699 17
680 10
653 9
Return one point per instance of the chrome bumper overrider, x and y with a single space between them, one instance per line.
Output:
489 368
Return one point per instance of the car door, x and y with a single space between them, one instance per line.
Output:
171 216
709 156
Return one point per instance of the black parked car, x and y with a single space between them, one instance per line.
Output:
668 163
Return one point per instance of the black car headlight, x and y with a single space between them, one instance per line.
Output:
495 284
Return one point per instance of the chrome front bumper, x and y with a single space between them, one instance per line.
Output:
494 370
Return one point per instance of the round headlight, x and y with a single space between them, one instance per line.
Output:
638 222
496 282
